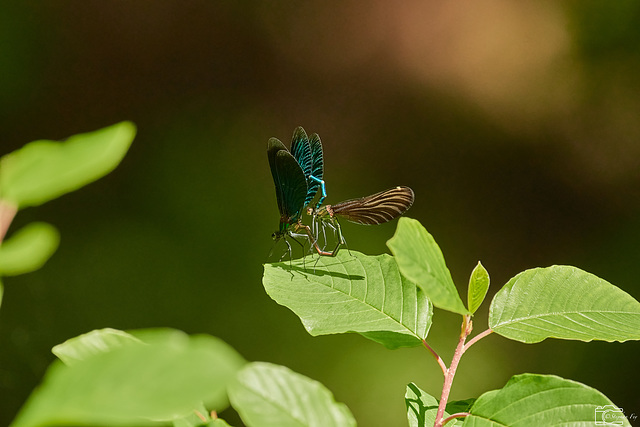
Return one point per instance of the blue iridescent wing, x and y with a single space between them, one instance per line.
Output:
301 150
317 168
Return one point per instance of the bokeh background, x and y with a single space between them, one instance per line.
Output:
517 124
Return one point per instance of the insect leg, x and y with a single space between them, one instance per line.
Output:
324 190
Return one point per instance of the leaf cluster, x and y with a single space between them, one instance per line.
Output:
390 299
162 376
152 377
44 170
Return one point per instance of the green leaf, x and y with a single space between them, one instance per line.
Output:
542 400
1 292
458 406
28 248
98 341
352 293
270 395
135 384
478 286
422 408
563 302
420 260
43 170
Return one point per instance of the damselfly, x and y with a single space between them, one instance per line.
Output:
297 176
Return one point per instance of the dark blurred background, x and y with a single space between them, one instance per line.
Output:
517 124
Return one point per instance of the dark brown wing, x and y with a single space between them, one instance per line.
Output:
377 208
273 146
289 179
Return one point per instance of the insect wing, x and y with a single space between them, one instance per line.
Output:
273 146
377 208
291 185
317 167
301 150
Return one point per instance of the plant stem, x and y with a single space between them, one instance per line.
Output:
449 373
457 415
438 358
467 327
476 339
7 212
199 415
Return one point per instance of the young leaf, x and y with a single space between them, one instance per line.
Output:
28 248
422 408
43 170
563 302
478 286
542 400
352 293
420 260
98 341
268 395
134 384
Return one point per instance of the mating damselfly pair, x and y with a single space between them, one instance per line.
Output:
299 175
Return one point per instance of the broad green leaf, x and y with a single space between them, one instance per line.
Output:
1 292
542 400
478 286
420 260
98 341
422 408
135 384
352 293
267 395
563 302
43 170
28 248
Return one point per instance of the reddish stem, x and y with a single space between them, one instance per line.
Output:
466 329
438 358
476 339
7 212
199 415
457 415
